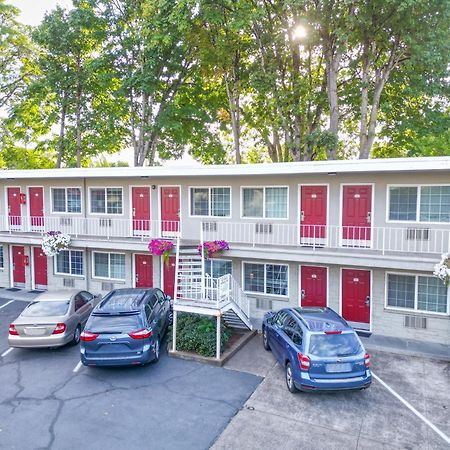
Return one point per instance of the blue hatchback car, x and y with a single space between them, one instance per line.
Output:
317 349
126 328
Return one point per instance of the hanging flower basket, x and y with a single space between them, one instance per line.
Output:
161 247
212 248
55 241
442 270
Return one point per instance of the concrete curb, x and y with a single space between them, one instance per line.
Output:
406 352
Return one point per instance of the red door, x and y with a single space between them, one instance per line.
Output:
144 271
19 261
40 268
169 276
357 215
313 214
356 295
140 197
170 209
36 199
14 208
314 286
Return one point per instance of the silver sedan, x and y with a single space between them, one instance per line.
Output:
53 319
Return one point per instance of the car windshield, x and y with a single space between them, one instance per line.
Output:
325 345
114 324
46 309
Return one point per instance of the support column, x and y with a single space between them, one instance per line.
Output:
218 337
174 331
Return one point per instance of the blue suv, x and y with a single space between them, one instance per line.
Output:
317 349
126 328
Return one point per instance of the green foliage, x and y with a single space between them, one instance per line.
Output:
196 333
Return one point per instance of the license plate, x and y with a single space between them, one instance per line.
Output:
337 368
35 331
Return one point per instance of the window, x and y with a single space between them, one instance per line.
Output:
66 200
79 302
292 329
419 203
280 318
217 268
213 202
106 200
268 202
418 293
109 265
2 261
266 278
69 262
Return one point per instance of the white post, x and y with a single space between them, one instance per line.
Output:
174 331
203 261
218 338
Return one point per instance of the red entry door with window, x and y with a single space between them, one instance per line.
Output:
19 261
144 271
14 207
313 286
356 295
140 198
357 215
170 209
313 214
36 199
169 276
40 268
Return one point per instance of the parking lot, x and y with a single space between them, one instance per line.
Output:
47 400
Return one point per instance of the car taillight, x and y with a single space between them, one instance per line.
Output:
13 331
367 360
304 361
141 334
60 328
87 336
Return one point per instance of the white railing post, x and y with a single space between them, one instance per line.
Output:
203 260
218 337
177 259
174 331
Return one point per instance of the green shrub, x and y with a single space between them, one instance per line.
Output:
196 333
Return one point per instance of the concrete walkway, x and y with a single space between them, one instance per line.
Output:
23 295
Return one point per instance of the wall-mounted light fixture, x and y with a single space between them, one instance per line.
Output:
332 173
153 186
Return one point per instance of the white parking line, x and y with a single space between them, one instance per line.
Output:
78 367
6 352
414 410
6 304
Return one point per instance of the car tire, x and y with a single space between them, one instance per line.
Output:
76 336
266 339
157 350
290 379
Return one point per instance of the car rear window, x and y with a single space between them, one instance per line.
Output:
325 345
123 323
46 309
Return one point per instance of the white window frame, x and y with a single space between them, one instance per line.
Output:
264 203
106 213
416 295
419 193
210 188
55 264
65 188
265 279
109 266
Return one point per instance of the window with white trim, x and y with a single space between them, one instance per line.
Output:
66 200
417 293
2 261
69 262
106 200
109 265
217 268
211 201
266 278
265 202
419 203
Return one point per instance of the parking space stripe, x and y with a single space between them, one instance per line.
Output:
6 304
78 367
414 410
6 352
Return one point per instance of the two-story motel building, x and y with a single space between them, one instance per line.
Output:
361 237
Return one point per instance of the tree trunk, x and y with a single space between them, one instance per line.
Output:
332 63
62 131
364 101
233 101
78 114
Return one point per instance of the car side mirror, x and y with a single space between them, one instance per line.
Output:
169 298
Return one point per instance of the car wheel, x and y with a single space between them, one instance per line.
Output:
76 336
290 379
266 339
157 350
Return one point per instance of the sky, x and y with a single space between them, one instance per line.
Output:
33 10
